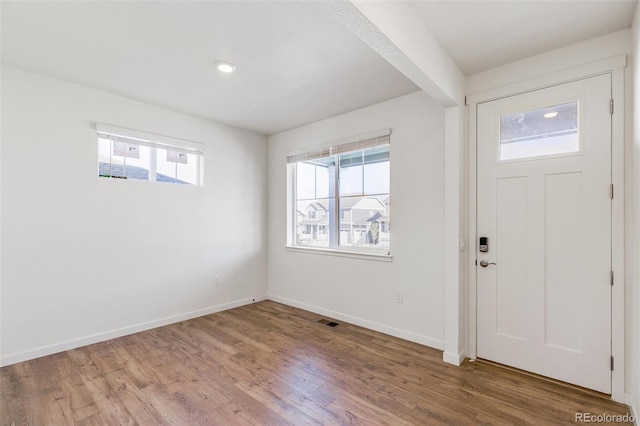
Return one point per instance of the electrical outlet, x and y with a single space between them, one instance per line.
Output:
216 280
399 297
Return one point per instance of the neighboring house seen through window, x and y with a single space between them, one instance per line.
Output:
340 197
129 154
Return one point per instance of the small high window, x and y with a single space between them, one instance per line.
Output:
130 154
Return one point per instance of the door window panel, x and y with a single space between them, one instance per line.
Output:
542 132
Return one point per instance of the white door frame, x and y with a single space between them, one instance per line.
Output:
615 66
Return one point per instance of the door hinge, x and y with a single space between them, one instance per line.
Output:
611 363
611 277
611 191
611 106
465 101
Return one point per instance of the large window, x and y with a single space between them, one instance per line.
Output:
129 154
340 197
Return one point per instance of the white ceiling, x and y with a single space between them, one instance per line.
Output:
296 64
483 34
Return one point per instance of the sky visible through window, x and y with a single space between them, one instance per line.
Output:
313 180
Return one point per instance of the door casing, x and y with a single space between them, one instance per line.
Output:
615 66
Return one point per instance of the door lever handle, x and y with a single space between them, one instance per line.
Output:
484 263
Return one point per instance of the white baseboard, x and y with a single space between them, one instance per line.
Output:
455 359
124 331
396 332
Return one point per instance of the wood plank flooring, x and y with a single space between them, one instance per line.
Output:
270 364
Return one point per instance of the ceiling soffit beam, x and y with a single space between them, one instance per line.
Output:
396 33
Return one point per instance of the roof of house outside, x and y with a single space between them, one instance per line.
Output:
323 221
134 172
318 205
349 203
366 203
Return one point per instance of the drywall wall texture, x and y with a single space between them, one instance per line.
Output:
364 291
87 258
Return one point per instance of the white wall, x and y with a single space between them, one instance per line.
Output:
633 222
72 273
363 291
607 46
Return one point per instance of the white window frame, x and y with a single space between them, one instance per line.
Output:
154 141
356 143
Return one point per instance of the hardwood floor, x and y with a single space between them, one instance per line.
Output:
270 364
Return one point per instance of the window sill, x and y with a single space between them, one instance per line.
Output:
341 253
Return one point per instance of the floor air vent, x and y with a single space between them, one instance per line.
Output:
327 322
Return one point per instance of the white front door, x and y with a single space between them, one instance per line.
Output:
544 206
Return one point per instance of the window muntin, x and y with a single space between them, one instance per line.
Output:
124 154
542 132
341 197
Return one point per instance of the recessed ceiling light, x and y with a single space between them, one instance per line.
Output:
225 66
551 114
